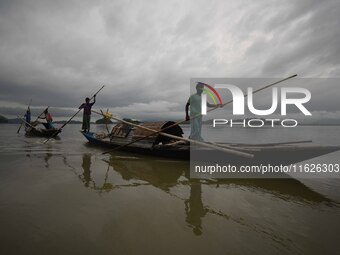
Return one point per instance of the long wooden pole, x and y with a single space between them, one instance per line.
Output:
211 109
212 146
20 117
59 129
254 92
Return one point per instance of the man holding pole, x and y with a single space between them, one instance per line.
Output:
87 113
88 118
48 118
195 103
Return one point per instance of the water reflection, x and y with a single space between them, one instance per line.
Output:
34 149
87 179
160 174
86 165
165 175
194 208
47 157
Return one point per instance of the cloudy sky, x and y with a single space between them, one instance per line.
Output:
145 52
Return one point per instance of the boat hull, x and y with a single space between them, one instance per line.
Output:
38 132
176 153
263 154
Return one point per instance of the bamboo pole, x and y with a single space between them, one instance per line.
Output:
268 144
41 114
224 149
34 123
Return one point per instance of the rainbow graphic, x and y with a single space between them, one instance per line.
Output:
211 92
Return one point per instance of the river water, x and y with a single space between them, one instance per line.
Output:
64 197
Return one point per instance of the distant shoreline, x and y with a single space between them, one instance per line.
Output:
4 120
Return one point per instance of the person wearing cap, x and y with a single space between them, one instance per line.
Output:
87 113
195 103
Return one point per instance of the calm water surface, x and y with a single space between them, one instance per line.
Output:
65 198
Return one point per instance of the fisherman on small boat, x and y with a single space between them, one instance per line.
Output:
28 117
195 103
87 113
49 120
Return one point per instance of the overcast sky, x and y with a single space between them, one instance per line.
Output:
145 52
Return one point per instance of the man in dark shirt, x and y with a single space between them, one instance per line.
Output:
87 113
28 117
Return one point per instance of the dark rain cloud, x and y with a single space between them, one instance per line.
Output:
145 52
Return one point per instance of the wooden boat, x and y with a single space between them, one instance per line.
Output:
158 145
32 130
41 132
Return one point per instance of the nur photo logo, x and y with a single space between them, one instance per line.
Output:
280 99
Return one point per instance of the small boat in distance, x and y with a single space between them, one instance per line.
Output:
159 145
31 130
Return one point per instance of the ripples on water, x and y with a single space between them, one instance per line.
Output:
64 197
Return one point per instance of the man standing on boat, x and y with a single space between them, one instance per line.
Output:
195 103
28 117
49 120
87 113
